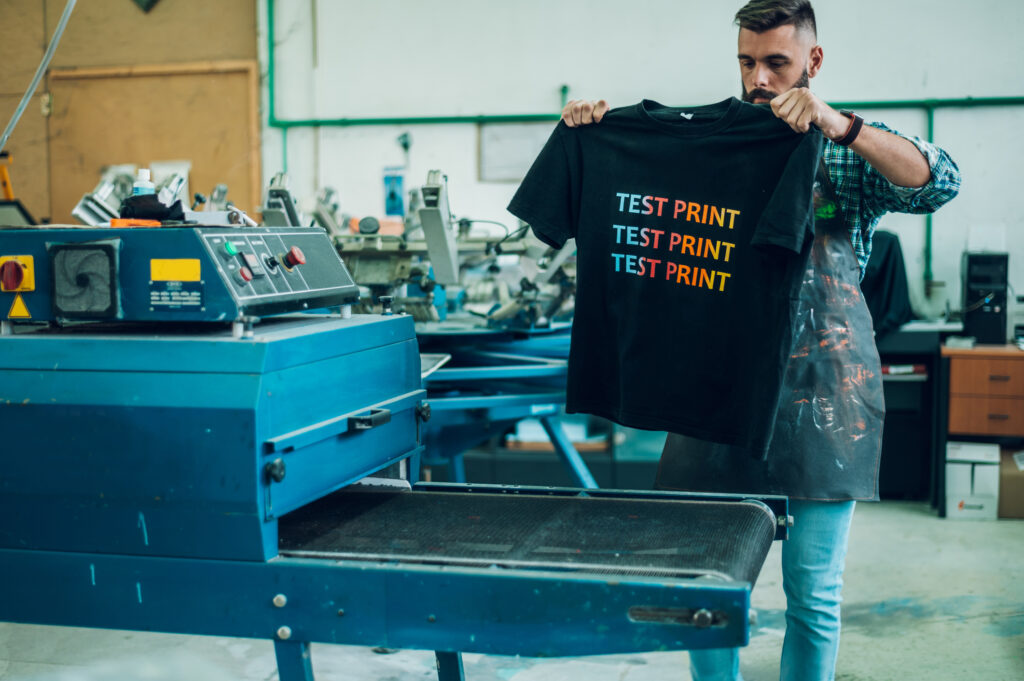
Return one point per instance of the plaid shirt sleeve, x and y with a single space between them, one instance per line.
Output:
865 195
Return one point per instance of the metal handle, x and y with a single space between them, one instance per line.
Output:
376 417
999 417
998 377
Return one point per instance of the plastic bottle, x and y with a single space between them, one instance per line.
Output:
143 184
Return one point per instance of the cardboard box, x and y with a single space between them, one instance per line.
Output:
972 480
975 452
1011 484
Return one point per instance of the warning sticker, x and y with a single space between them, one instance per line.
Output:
176 295
19 309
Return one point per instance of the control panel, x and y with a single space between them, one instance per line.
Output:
167 274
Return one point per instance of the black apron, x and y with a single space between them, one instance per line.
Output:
828 431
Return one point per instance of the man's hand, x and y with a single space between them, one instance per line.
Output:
582 112
800 108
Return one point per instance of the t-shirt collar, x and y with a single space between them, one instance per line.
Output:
723 112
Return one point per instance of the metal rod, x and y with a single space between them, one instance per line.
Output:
284 150
43 65
272 114
928 273
413 120
931 103
565 450
927 104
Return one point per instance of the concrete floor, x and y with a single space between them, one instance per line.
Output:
925 599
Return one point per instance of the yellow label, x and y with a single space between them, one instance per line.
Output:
183 269
28 269
18 309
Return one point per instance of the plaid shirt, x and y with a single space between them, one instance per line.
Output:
865 195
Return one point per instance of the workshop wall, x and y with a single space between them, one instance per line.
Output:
118 33
23 47
388 58
165 120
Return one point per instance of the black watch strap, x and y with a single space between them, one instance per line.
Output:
856 123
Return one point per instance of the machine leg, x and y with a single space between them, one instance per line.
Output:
449 667
412 469
577 468
456 468
293 662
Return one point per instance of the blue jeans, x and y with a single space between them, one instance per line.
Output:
812 578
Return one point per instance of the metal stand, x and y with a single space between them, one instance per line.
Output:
456 468
293 662
563 446
449 667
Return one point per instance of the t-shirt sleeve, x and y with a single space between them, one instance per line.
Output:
788 219
549 197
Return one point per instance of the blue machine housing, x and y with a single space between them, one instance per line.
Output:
124 436
152 450
204 283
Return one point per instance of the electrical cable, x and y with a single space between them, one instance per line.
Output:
981 301
43 65
516 234
489 222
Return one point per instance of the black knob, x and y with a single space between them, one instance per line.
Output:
423 412
385 304
369 225
702 618
275 470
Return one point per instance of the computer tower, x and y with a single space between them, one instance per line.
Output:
984 279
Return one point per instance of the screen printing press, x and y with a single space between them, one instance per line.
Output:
188 448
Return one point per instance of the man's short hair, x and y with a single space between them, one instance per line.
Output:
763 15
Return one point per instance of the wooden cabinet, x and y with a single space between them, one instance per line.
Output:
986 391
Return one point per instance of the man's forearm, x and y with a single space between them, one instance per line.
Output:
897 159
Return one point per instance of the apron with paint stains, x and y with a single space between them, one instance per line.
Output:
828 430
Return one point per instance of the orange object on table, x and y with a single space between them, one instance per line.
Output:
133 222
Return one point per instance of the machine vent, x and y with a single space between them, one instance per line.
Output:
85 279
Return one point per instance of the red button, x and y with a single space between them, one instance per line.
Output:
11 275
245 273
294 257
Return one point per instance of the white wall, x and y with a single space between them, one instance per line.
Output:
395 58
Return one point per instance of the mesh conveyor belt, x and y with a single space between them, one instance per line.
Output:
729 540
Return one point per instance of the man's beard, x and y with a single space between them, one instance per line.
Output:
758 93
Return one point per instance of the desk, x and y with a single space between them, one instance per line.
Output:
910 440
984 397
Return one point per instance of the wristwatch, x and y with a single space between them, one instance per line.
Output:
856 123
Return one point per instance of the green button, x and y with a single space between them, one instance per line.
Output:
230 248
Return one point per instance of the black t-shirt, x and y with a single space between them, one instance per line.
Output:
692 229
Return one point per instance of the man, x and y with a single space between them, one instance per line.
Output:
814 459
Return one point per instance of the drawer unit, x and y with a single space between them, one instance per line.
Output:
986 391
